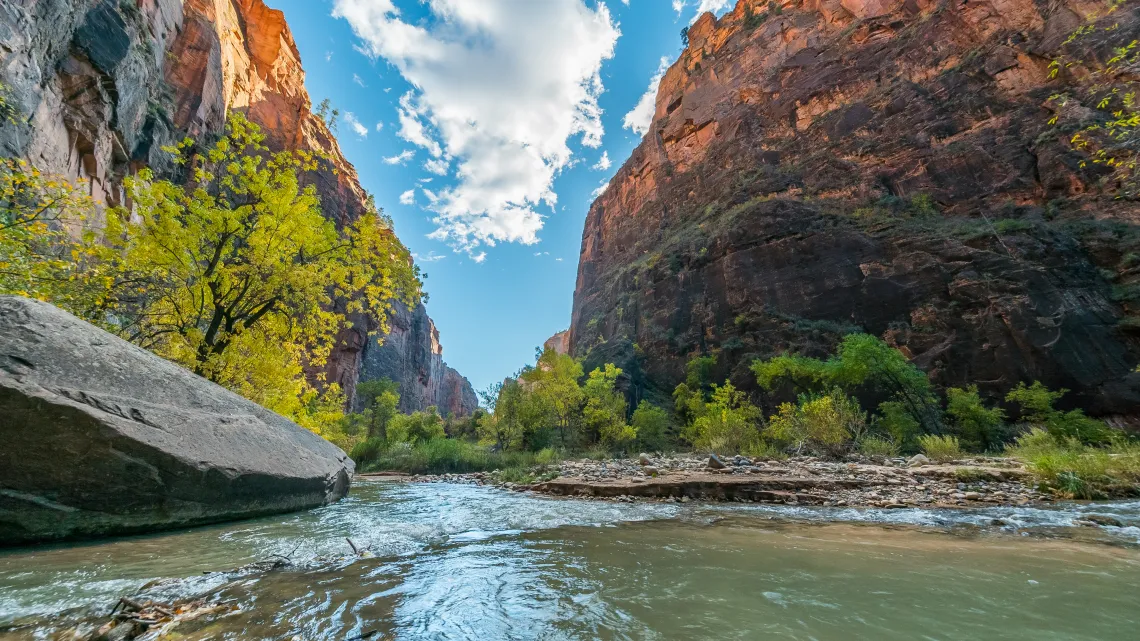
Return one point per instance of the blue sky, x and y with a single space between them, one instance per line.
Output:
483 128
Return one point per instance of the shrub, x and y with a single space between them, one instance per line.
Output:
875 446
728 423
979 426
940 448
767 451
1037 409
652 426
825 424
417 427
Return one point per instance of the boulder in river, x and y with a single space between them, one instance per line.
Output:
101 437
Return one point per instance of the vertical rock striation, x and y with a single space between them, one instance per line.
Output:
827 166
412 355
101 86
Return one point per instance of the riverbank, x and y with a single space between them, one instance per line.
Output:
886 483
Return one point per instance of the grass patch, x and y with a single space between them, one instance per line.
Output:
446 456
940 448
1078 471
875 446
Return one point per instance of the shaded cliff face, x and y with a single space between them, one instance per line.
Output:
412 355
872 166
102 85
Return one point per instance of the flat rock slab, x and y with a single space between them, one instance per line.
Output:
751 487
101 437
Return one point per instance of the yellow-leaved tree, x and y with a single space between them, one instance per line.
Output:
238 276
48 242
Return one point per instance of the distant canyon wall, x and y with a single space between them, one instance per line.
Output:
100 86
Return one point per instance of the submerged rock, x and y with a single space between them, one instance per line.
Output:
102 437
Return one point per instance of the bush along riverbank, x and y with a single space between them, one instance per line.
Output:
557 429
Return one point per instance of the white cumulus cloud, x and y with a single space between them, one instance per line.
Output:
408 197
400 158
502 87
379 126
640 118
716 6
360 129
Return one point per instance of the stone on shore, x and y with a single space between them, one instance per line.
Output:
101 437
715 462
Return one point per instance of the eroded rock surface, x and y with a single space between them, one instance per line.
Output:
102 437
868 165
412 355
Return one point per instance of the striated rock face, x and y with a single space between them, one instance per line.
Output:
412 355
102 85
102 437
867 165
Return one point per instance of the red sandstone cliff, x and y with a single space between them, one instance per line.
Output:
831 166
103 85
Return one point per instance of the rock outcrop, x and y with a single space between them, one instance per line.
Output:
821 167
412 355
560 342
102 437
100 86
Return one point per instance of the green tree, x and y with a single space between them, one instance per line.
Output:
504 427
328 115
239 277
652 425
691 396
728 423
979 426
417 427
605 408
553 385
861 360
380 398
1037 409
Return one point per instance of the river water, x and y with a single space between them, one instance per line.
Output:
466 562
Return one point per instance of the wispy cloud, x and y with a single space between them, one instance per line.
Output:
408 197
379 126
437 166
400 158
430 258
360 129
358 80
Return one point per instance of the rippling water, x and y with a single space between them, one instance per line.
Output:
464 562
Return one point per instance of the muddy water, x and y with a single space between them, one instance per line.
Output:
462 562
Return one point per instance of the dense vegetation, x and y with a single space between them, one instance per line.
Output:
234 273
553 409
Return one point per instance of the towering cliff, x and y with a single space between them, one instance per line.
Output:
412 355
827 166
100 86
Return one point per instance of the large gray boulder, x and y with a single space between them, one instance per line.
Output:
99 437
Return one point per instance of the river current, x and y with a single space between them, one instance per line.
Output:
464 562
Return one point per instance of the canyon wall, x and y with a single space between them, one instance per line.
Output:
822 167
412 355
98 87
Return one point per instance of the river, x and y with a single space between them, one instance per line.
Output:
467 562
